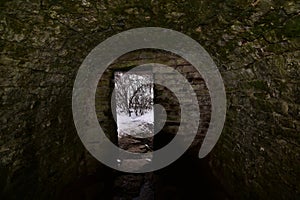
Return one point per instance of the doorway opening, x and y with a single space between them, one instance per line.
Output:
134 110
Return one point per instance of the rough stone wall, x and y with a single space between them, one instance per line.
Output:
170 102
255 44
257 51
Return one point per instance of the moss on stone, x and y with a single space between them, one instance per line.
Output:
259 85
40 39
292 27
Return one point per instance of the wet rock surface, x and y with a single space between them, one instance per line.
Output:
133 144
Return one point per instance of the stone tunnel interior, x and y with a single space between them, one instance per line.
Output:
253 43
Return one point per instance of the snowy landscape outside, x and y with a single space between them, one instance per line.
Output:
134 108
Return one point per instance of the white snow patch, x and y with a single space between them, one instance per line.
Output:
138 126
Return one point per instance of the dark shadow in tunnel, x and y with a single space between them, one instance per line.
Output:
188 178
90 187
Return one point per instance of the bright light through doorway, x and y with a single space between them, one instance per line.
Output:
134 108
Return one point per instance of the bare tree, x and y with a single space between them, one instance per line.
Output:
134 93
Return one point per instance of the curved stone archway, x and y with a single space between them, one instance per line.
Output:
255 45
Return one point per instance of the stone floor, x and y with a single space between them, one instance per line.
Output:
186 178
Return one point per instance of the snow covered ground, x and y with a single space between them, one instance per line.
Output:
137 126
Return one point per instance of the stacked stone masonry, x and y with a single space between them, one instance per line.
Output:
255 44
